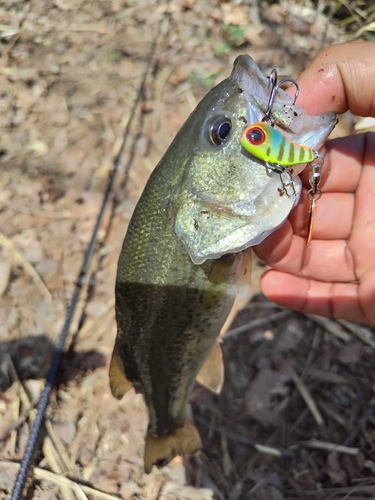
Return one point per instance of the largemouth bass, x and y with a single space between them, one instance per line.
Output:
187 247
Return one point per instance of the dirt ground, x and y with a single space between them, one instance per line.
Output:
295 419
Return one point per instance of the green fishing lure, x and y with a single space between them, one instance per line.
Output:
269 144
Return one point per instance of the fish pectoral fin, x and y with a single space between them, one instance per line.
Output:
118 382
244 291
211 374
160 450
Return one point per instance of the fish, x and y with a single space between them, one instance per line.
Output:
272 146
187 252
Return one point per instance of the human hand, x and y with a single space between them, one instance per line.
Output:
335 276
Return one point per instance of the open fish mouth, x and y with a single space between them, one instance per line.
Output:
304 129
257 90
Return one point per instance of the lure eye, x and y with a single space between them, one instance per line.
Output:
219 130
256 136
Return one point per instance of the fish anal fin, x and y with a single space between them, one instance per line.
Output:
160 450
118 382
211 374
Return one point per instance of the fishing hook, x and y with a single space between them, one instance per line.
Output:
273 78
275 87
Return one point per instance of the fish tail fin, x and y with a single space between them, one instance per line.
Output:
118 382
160 450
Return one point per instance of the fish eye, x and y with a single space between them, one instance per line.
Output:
255 136
219 130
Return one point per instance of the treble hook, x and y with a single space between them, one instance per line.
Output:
273 78
275 88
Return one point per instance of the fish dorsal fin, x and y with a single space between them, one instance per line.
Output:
211 374
118 382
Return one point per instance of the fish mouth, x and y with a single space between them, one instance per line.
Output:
246 71
257 88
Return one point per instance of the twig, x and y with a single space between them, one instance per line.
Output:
256 323
15 408
267 450
331 326
19 259
361 332
93 329
260 483
303 390
324 376
333 492
46 475
19 422
66 214
225 456
57 466
59 447
322 445
240 438
330 412
24 398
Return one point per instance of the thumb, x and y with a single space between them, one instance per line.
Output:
341 77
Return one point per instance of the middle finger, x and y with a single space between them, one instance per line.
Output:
333 217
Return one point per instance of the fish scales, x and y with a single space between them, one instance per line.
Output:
186 251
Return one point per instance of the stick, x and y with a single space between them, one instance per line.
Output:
322 445
331 327
19 259
305 393
361 332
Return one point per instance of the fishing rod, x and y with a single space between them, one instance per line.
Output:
44 398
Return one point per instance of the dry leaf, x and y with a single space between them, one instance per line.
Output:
39 147
335 472
350 353
238 16
266 385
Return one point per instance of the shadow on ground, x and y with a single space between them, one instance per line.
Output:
31 357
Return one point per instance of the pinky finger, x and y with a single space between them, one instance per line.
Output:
332 300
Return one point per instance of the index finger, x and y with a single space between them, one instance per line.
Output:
341 77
